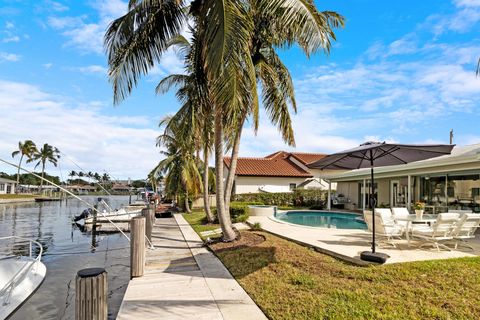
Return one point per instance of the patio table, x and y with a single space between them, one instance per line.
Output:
410 219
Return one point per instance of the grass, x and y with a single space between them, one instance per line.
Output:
198 221
289 281
17 196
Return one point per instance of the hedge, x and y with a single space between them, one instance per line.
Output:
300 198
239 210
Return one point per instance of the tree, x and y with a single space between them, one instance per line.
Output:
181 172
46 153
136 41
28 149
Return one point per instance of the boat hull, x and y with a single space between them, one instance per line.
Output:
28 284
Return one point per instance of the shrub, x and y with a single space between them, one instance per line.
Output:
300 197
239 210
256 226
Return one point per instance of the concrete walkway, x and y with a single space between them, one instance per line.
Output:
347 244
183 280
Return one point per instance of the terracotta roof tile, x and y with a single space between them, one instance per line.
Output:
306 158
274 165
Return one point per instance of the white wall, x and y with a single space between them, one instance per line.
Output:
4 186
271 184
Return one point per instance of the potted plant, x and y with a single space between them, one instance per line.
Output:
419 207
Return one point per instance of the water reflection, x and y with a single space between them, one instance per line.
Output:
67 249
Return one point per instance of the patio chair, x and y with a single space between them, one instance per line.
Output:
385 227
401 213
465 229
440 231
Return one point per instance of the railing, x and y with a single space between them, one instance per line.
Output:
7 289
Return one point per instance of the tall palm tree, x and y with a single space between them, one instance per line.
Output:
275 80
25 149
136 41
46 153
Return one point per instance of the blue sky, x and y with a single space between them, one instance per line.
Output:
399 71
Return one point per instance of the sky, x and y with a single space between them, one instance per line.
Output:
399 71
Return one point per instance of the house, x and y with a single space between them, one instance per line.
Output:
442 183
7 186
278 172
81 189
120 187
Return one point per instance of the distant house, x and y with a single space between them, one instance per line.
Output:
120 187
81 189
278 172
7 186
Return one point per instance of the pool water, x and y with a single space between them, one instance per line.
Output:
323 219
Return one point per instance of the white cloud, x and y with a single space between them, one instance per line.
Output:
56 6
47 65
124 146
462 20
93 69
83 33
11 57
11 39
9 25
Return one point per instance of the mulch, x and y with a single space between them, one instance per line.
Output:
247 239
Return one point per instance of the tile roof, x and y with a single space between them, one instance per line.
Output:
306 158
274 165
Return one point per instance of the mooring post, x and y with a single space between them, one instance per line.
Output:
148 223
91 294
137 246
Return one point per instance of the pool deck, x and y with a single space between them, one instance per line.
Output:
183 280
347 244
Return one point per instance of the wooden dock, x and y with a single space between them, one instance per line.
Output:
183 280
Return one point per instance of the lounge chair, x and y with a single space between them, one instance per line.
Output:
440 231
385 227
465 229
401 213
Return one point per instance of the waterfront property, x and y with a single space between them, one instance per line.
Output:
278 172
447 182
7 186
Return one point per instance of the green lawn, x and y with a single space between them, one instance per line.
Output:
197 220
289 281
17 196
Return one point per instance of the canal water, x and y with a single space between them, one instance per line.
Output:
67 249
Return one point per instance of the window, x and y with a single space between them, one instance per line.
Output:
293 186
2 187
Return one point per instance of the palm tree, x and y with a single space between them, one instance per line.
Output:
27 149
136 41
46 153
182 175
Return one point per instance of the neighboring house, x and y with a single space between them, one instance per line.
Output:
119 187
447 182
7 186
279 172
81 189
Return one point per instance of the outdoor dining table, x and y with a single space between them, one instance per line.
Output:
410 219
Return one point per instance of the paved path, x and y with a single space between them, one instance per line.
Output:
183 280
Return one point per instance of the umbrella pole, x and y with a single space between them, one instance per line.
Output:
372 202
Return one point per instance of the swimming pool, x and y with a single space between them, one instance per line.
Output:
323 219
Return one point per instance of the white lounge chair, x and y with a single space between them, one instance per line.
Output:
441 230
465 229
401 213
385 227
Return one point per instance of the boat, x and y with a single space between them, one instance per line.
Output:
20 275
47 199
124 214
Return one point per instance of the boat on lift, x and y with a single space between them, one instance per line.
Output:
107 214
20 275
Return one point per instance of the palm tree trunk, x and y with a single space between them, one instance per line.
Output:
43 173
18 172
223 216
233 166
187 206
206 202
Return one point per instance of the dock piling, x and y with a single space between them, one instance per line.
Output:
91 294
137 246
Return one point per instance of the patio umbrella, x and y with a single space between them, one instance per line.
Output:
379 154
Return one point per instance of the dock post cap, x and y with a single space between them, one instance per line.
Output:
90 272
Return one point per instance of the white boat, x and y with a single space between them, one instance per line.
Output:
20 275
107 214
